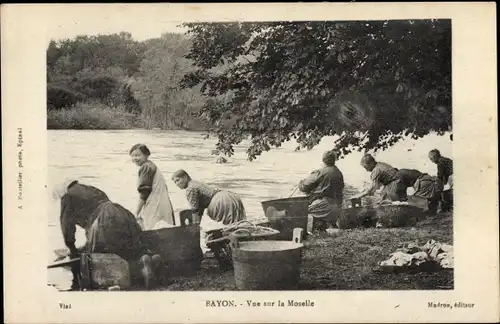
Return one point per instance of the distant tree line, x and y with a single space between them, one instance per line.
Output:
115 70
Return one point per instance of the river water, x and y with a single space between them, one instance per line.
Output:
101 159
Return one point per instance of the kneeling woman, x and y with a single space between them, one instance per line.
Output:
221 205
425 186
383 175
324 188
109 228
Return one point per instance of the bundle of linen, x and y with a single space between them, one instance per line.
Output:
432 255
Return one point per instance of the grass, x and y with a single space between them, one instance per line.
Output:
91 116
346 261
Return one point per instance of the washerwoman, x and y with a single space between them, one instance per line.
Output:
154 209
445 174
425 186
444 167
109 228
383 175
324 188
222 206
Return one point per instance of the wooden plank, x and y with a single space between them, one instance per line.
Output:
64 263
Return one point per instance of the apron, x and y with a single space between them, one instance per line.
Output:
450 181
157 212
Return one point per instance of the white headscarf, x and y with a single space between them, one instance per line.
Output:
61 188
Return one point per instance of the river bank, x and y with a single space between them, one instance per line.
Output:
97 116
346 260
92 117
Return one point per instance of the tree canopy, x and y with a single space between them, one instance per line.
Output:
92 68
369 82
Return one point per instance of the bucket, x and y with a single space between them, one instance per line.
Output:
286 214
267 265
178 247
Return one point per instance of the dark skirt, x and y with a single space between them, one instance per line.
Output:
115 230
395 191
428 187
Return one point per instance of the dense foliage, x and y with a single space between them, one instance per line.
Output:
157 84
370 82
117 72
91 68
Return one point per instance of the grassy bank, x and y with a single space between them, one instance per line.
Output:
92 116
347 260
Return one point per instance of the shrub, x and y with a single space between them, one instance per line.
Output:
91 115
59 97
96 87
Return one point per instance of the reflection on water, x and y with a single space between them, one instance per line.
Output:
179 157
101 159
240 183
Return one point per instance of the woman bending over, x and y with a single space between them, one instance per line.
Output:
221 205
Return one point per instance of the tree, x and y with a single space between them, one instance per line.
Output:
370 82
93 68
102 51
53 54
164 103
59 97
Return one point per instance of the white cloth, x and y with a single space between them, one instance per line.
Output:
449 185
61 188
158 206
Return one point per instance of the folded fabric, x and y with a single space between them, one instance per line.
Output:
398 259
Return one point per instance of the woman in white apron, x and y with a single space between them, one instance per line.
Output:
154 210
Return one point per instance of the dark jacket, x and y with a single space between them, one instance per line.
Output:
78 207
445 169
325 182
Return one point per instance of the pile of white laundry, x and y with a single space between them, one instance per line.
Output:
414 256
